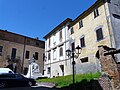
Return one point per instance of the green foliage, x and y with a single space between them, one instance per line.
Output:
67 80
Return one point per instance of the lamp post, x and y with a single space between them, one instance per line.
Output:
77 52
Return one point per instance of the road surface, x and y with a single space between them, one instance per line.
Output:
30 88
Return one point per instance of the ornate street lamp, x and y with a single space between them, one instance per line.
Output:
77 52
68 52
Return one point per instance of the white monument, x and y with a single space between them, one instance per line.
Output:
33 70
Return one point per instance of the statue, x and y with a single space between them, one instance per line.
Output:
33 69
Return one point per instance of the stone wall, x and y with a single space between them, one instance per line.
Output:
109 68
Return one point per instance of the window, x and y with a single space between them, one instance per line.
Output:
60 34
1 48
96 13
13 54
116 16
44 57
28 41
36 55
99 34
54 39
83 60
54 54
71 30
62 69
82 41
49 56
61 51
49 70
27 55
80 24
8 76
37 43
73 46
49 42
2 36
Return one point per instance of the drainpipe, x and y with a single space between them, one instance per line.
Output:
23 55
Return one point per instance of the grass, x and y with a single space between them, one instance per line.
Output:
64 81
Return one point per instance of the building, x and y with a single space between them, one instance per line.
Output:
17 50
98 25
56 43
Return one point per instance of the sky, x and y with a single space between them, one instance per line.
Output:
36 18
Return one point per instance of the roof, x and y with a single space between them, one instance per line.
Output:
58 27
6 31
5 70
88 11
17 38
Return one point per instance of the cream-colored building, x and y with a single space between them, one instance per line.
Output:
18 50
98 25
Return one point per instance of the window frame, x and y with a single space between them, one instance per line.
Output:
96 12
27 54
80 24
73 46
48 70
13 53
54 54
71 30
54 39
60 35
99 34
36 55
84 60
49 56
37 44
49 42
61 51
1 50
82 41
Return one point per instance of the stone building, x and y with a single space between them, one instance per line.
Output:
55 46
17 50
98 25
